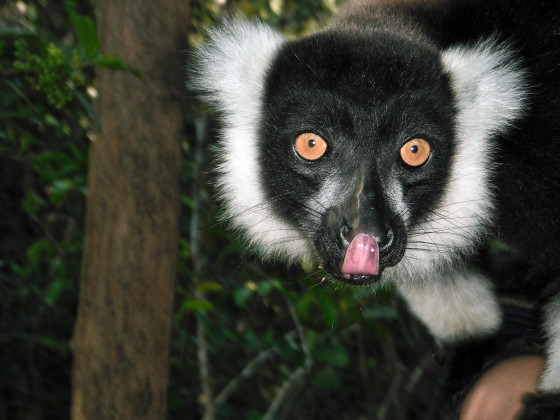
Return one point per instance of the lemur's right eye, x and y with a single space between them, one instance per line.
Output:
310 146
415 152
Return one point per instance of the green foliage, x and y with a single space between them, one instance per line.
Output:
87 34
291 16
45 119
46 71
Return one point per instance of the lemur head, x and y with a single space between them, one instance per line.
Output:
367 152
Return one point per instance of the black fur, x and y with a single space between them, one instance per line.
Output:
542 407
365 95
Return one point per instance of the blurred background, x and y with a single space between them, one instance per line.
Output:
249 340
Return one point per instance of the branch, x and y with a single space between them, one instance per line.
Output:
417 374
246 373
204 371
206 398
300 331
288 388
296 379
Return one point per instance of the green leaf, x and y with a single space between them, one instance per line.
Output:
380 312
241 296
21 271
185 249
60 189
26 140
264 288
334 355
41 248
304 305
209 286
115 63
77 154
87 34
32 203
254 415
326 378
187 201
56 345
54 291
110 62
251 339
197 305
328 310
269 338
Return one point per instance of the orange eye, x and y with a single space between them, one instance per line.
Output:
310 146
415 152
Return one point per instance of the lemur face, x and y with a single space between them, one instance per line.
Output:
367 152
355 148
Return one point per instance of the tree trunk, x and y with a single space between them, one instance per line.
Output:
122 333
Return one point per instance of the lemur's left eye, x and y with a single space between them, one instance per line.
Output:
310 146
415 152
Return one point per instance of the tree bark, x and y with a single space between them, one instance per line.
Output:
122 334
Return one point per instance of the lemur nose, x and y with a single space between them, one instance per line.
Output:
383 237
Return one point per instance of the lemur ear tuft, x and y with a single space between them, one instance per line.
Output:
228 71
489 86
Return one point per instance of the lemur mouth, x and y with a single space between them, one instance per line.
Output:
361 261
358 279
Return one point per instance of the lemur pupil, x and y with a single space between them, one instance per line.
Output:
312 143
414 149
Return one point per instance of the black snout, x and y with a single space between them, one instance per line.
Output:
362 236
390 239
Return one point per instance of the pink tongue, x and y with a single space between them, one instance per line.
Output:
362 256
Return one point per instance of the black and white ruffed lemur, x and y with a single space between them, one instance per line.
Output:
394 146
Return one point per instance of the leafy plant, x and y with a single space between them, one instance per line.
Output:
46 118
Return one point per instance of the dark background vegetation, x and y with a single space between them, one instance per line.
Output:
250 340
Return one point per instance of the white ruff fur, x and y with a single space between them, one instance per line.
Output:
490 94
231 71
455 305
460 306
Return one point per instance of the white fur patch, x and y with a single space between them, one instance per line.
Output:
395 196
490 92
489 85
332 191
230 71
550 380
457 307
